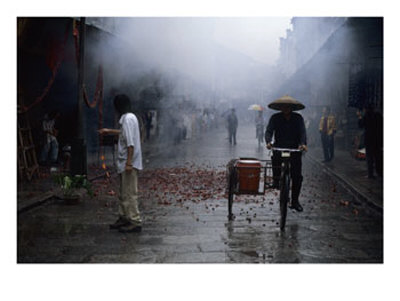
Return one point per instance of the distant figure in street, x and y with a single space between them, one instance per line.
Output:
288 130
187 123
232 123
259 126
148 118
50 147
129 162
176 129
327 128
372 123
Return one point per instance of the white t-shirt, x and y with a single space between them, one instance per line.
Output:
129 136
48 126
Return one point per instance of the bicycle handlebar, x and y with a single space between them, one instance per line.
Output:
286 149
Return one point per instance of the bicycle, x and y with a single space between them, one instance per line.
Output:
284 181
254 176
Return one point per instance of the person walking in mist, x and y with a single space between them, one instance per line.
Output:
372 123
327 128
259 121
129 162
232 123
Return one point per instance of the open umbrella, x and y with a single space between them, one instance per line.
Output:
255 107
286 100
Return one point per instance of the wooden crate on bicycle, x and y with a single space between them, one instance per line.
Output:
248 175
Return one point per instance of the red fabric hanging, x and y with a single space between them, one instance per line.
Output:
53 60
98 94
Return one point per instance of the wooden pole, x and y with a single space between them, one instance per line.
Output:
79 150
81 69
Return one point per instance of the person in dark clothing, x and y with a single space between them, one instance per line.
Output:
327 128
232 126
289 131
372 123
50 132
148 117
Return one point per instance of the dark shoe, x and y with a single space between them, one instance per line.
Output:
130 228
296 206
119 223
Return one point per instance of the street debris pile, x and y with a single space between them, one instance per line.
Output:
105 185
176 185
181 184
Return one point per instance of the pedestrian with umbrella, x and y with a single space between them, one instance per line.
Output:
259 121
288 130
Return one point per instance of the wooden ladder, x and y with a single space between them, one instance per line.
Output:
27 160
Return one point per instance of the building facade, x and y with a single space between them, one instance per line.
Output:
336 62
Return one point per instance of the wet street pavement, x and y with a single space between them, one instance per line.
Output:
184 206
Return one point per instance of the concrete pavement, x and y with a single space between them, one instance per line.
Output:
335 226
352 174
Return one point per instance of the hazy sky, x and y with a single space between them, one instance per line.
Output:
257 37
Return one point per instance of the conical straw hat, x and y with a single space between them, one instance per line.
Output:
286 100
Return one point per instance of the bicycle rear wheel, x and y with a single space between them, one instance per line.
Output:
284 199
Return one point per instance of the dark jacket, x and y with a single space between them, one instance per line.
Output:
372 122
287 133
232 122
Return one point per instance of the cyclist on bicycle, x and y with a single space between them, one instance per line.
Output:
289 131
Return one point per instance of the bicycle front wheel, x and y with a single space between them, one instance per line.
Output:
284 199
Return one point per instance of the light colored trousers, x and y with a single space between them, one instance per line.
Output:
128 197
